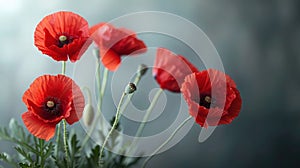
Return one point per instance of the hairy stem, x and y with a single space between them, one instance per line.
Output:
118 114
166 142
143 123
65 141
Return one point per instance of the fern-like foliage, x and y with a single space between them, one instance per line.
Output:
32 152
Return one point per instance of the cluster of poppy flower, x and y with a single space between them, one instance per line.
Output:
66 35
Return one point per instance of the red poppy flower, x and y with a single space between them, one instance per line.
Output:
50 99
170 70
208 109
62 35
114 43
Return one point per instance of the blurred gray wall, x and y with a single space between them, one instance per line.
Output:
258 42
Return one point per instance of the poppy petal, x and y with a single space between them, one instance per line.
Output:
170 70
110 59
129 46
68 24
77 105
199 85
50 99
114 43
38 128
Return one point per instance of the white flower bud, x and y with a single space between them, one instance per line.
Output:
88 115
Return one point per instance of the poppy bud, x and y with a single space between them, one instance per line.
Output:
142 69
130 88
88 114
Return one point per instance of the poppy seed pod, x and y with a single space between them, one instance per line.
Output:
130 88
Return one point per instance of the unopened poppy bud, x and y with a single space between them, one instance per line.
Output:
130 88
88 114
142 69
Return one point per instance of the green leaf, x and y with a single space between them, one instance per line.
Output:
16 134
25 165
49 150
7 159
17 131
93 159
35 153
24 153
74 150
4 134
133 162
3 156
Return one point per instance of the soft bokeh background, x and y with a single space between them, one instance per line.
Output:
258 42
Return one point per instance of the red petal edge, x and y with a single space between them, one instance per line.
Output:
37 127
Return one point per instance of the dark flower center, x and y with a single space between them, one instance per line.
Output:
206 101
63 39
52 107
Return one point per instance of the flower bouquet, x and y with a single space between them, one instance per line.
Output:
55 101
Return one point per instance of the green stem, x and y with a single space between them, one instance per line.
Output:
118 114
137 80
41 143
63 72
148 112
145 119
37 145
101 89
89 94
104 81
98 74
126 103
65 141
166 142
63 69
57 140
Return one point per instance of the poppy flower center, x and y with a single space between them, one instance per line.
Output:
52 107
62 40
50 104
206 101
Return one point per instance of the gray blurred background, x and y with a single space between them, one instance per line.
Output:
258 42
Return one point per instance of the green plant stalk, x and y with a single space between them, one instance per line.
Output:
143 123
63 69
101 89
63 72
57 140
65 142
104 81
148 112
41 143
136 82
89 94
37 154
90 131
118 114
166 142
